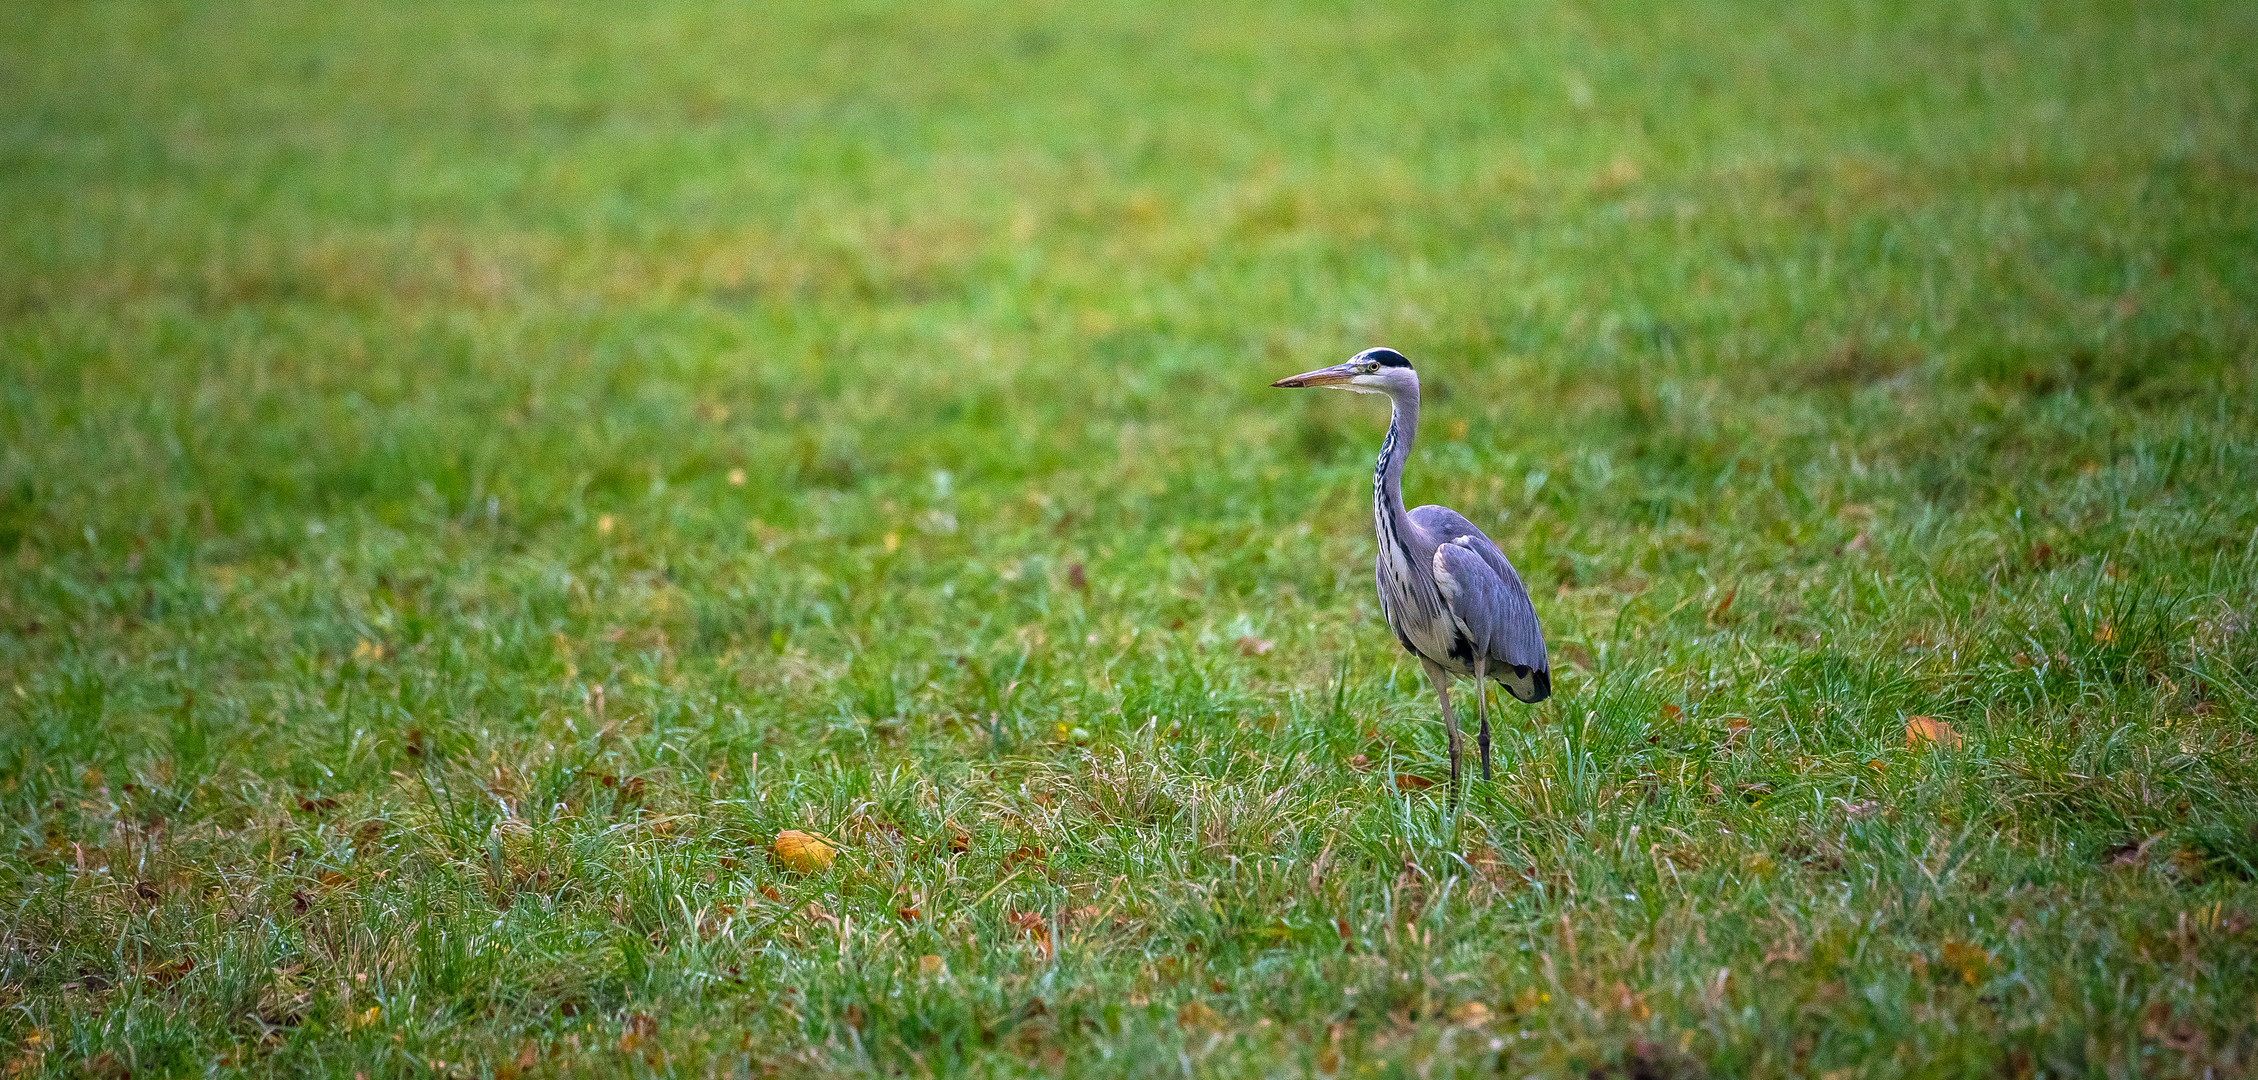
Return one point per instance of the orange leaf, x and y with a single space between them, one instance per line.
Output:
908 914
1672 712
1035 926
1928 729
802 852
1969 960
1409 782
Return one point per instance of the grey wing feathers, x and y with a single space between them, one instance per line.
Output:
1446 525
1487 598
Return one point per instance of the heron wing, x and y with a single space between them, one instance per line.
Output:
1494 610
1446 525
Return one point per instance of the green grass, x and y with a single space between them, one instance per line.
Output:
394 680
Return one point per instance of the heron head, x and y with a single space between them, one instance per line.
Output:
1373 371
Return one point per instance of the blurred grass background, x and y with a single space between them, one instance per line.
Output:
473 473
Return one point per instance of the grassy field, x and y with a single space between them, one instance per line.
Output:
471 475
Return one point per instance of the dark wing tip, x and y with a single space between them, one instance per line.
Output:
1539 682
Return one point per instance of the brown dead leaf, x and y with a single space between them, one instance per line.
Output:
1193 1014
802 852
1035 926
1469 1013
1251 645
1672 712
1717 613
1925 730
929 965
641 1029
1361 763
907 914
1026 853
1410 782
1970 961
959 843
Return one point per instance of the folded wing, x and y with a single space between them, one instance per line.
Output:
1491 607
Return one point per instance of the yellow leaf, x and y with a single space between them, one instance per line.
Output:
929 964
372 1015
1920 730
802 852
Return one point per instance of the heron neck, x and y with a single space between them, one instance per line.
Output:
1387 473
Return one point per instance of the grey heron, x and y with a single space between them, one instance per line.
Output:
1450 595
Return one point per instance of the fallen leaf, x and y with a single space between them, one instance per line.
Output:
1672 712
959 843
1736 727
1026 853
1469 1012
929 964
1920 730
1035 926
908 914
1724 605
1969 960
1195 1014
1251 645
1077 577
1360 763
802 852
1409 782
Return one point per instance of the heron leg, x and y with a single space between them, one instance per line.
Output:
1482 713
1441 679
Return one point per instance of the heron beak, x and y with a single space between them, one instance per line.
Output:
1336 375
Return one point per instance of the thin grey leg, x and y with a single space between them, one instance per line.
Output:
1441 679
1482 713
